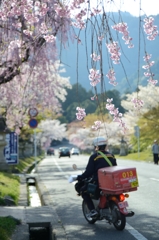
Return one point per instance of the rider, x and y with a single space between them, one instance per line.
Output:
96 161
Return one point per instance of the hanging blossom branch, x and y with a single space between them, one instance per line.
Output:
100 38
117 115
94 77
150 29
147 67
113 49
81 113
96 125
123 28
111 76
94 97
95 57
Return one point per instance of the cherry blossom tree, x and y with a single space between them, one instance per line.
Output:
26 91
83 138
50 130
29 32
135 111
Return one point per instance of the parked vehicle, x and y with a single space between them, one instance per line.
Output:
64 152
50 151
75 151
114 185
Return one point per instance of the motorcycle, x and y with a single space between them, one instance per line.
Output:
110 205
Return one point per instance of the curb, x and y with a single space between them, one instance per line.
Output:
58 231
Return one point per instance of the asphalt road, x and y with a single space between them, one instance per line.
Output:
144 202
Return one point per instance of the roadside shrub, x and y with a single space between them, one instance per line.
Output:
7 227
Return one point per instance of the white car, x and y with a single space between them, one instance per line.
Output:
75 151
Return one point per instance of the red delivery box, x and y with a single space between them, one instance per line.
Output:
117 179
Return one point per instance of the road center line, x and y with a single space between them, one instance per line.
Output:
59 168
128 227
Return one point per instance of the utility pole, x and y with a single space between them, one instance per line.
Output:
35 150
137 134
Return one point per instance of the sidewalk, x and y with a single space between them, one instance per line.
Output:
34 217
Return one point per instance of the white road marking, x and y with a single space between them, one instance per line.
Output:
134 232
155 179
128 227
59 168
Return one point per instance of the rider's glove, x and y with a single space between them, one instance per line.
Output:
79 178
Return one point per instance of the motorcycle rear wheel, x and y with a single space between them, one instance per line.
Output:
121 221
86 212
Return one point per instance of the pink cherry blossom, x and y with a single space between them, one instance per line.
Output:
123 28
94 97
152 81
117 115
94 77
81 113
95 11
50 38
27 32
95 57
100 38
111 76
150 29
138 103
113 49
149 74
96 125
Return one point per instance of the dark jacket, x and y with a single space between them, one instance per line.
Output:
96 161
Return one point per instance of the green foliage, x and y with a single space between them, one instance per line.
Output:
79 97
25 164
9 185
7 227
62 119
149 126
148 129
145 156
76 94
89 106
70 112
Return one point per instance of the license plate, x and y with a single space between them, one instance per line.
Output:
123 204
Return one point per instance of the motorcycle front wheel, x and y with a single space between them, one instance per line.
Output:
120 223
86 213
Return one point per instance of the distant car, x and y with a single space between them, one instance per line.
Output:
50 151
75 151
64 152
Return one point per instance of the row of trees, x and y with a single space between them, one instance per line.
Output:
146 118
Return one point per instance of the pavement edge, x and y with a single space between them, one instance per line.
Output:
58 230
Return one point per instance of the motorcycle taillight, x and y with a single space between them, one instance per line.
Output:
121 197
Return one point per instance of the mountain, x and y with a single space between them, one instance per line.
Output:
76 57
